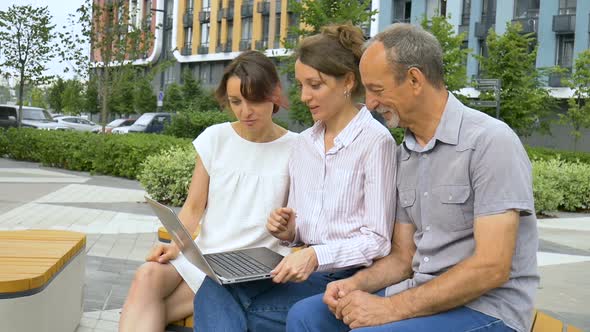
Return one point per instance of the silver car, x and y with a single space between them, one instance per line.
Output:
77 123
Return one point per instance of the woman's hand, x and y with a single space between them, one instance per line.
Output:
163 253
297 266
281 224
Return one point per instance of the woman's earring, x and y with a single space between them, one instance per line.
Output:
346 94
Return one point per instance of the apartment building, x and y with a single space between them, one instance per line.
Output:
561 27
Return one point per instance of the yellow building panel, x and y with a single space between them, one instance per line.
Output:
237 32
214 26
179 26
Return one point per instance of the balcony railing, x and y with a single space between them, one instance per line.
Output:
278 7
228 46
247 10
228 13
203 49
263 7
245 44
564 23
261 44
481 30
187 49
464 28
220 48
205 16
187 19
529 24
557 80
219 15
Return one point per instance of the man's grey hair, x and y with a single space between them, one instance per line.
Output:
409 46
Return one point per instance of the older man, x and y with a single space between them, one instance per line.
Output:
464 247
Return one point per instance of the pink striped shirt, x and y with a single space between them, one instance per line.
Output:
344 199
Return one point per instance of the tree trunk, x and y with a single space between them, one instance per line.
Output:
104 99
21 90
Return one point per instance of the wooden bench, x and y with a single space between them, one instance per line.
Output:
41 280
545 323
163 235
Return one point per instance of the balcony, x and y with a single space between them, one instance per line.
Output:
245 44
220 48
205 16
203 49
187 49
187 19
529 24
556 80
219 15
464 29
228 13
247 10
261 44
228 45
564 23
278 7
481 30
169 23
263 7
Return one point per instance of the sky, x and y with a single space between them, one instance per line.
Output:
59 9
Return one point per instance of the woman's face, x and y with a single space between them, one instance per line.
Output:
252 115
323 94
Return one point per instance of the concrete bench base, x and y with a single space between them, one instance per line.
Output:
57 307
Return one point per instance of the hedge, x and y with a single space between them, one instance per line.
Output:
117 155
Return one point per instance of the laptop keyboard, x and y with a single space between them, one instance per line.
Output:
238 264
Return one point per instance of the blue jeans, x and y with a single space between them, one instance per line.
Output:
311 314
254 306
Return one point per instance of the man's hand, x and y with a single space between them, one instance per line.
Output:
337 290
297 266
163 253
281 224
361 309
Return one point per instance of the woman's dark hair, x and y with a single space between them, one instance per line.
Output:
336 51
258 76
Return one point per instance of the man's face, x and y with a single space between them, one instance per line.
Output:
383 94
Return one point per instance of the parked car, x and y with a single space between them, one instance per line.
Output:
77 123
151 123
33 117
121 130
115 124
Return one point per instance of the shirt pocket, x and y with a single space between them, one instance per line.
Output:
455 205
407 200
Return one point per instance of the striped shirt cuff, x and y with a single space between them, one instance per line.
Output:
324 256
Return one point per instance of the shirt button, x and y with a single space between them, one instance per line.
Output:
426 193
450 197
424 156
405 202
427 228
426 259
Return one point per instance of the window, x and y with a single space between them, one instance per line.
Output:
466 12
247 28
205 34
526 8
565 51
402 11
567 7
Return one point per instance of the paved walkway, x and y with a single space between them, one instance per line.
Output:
121 228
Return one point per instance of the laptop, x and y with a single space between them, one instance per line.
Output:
224 267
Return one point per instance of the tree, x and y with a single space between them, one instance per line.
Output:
38 97
72 97
25 45
454 56
524 103
116 41
173 98
144 99
578 112
54 95
4 94
196 98
90 99
313 15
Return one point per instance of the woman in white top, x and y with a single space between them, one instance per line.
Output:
341 197
241 174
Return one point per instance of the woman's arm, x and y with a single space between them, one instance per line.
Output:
196 201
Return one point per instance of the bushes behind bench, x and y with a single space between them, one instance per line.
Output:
117 155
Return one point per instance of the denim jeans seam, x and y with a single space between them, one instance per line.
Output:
484 326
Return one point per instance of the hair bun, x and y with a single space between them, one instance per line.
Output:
350 37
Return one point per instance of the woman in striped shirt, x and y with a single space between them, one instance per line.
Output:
341 199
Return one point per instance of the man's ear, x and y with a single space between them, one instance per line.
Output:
416 79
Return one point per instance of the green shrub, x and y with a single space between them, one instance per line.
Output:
546 186
3 142
536 153
166 176
559 184
191 124
398 134
118 155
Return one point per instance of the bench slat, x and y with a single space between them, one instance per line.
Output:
546 323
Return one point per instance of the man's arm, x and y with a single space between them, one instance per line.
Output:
488 268
393 268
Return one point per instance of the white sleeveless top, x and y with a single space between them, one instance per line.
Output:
247 180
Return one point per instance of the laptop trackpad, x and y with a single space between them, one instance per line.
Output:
264 256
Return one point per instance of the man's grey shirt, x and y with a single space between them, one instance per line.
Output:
474 166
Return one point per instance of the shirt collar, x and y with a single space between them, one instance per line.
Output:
349 133
447 130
